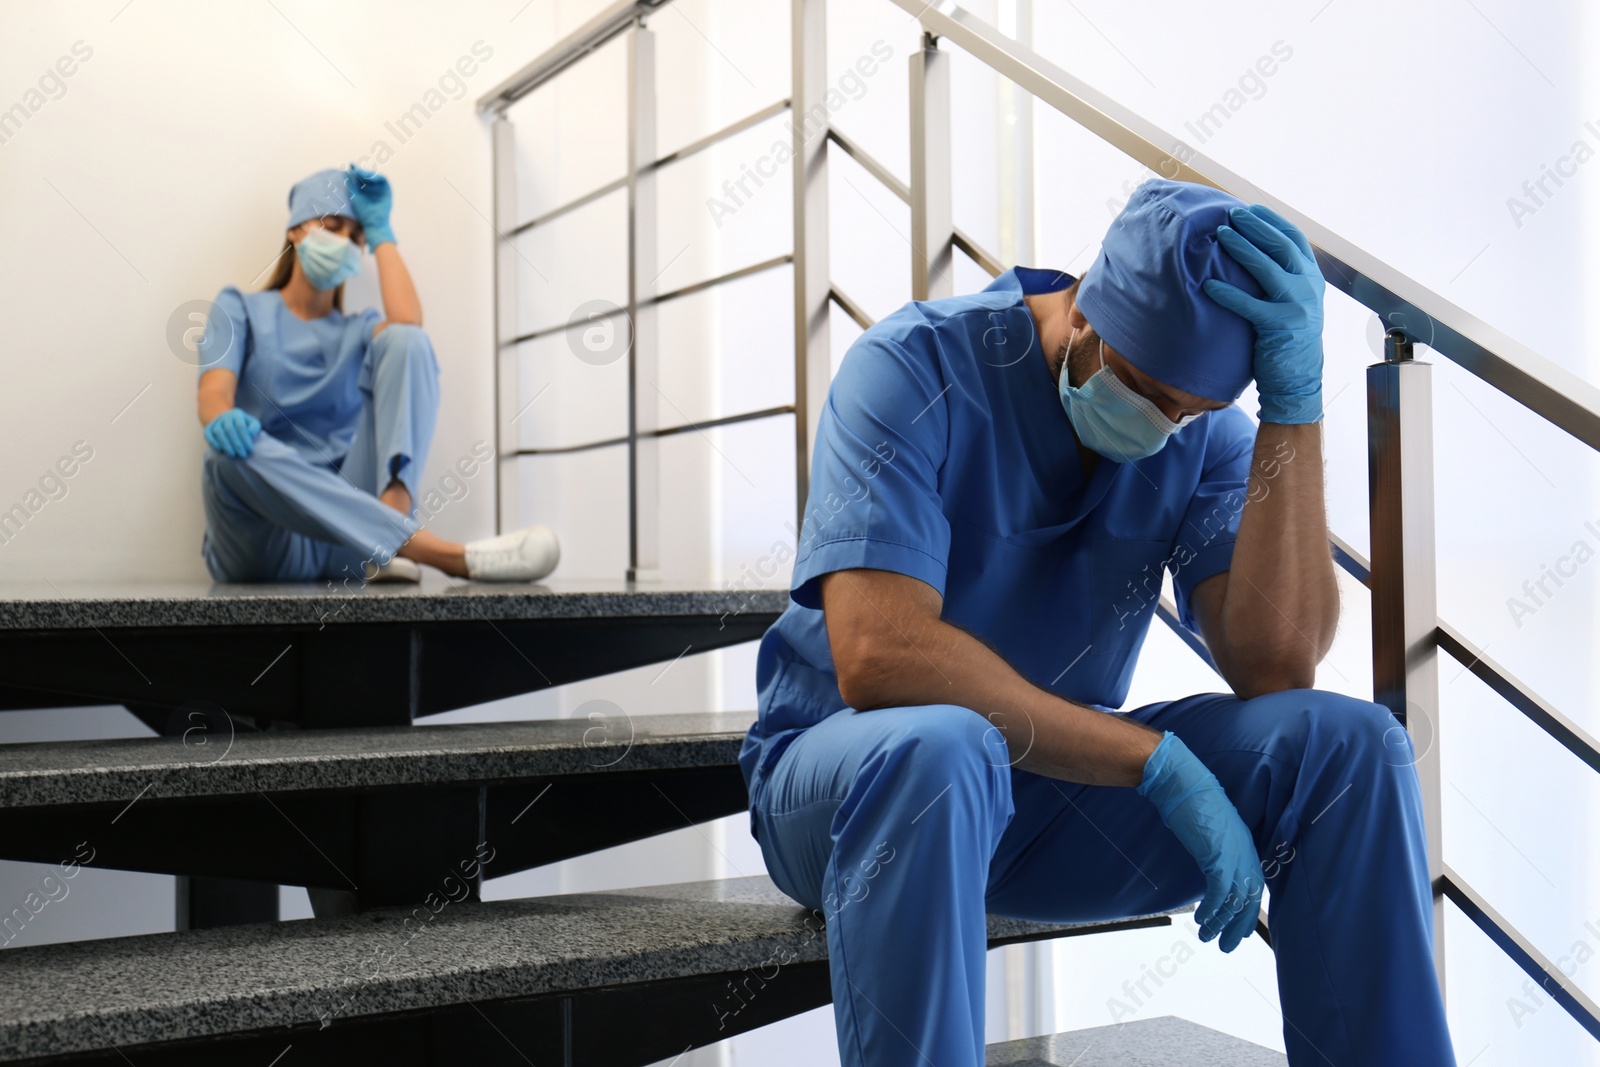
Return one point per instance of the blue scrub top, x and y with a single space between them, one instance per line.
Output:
300 378
944 453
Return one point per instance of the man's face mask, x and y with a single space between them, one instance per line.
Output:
1111 418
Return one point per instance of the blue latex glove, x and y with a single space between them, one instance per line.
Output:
233 433
1194 806
371 197
1288 354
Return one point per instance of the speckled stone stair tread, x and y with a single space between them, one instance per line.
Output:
37 605
82 772
132 990
1164 1041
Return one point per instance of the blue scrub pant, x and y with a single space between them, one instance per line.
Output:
277 516
905 825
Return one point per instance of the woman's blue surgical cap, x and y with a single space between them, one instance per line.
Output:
1143 294
324 193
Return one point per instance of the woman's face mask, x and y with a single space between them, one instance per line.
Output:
327 258
1111 418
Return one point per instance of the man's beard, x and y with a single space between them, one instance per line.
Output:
1080 356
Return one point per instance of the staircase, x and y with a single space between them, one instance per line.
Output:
393 829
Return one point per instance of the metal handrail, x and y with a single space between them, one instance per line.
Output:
1534 963
661 431
1399 411
886 177
1548 390
676 156
1546 716
1568 734
661 298
567 51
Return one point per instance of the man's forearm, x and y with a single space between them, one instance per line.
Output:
937 663
1282 601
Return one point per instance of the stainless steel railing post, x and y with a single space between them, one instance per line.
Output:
808 123
644 446
1405 613
932 218
503 139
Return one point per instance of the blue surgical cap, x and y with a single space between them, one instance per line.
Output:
324 193
1143 295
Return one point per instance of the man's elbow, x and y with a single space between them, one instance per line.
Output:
1263 684
863 672
1274 671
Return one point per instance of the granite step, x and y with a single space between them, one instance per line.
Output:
347 654
214 759
379 813
628 976
1164 1041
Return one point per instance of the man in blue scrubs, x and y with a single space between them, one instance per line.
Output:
998 483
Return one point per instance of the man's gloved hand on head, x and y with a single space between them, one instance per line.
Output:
1288 351
1194 806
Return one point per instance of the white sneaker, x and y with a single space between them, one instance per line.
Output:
398 569
524 555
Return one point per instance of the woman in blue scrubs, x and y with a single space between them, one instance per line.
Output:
319 422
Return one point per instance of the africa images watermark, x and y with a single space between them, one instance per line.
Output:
51 85
1582 952
52 485
852 85
855 888
1184 552
1537 191
1251 85
815 521
1566 568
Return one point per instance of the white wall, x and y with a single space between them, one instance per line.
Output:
160 175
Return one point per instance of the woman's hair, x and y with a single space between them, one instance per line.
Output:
285 270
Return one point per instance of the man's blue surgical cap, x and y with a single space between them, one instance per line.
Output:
1143 294
324 193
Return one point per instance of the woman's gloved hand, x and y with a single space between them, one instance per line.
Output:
233 433
1194 806
1288 353
371 197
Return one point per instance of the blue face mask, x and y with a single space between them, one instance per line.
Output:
327 258
1111 418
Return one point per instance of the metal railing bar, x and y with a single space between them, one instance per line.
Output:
978 254
1535 963
726 420
871 165
720 279
850 307
1351 560
556 450
1167 611
1546 389
1566 732
723 134
1544 715
672 157
559 327
660 298
664 431
571 205
567 51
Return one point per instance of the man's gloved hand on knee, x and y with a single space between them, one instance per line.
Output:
1194 806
